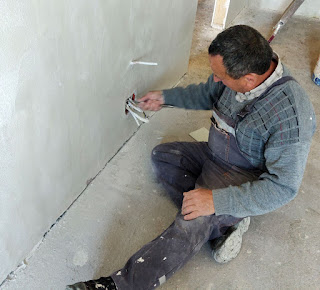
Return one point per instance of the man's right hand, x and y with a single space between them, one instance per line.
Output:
152 101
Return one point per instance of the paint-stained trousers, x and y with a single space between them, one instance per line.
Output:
180 167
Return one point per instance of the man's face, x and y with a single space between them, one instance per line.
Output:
220 75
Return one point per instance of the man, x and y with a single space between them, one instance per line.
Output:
253 163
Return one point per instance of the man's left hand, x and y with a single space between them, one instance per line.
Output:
197 202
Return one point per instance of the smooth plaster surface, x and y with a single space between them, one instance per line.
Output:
64 78
123 208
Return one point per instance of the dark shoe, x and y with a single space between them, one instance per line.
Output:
228 246
104 283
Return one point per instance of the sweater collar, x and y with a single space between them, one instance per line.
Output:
277 74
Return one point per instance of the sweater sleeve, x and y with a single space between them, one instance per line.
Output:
196 97
272 190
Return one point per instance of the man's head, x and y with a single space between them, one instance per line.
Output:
240 57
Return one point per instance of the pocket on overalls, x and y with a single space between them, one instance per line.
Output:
219 142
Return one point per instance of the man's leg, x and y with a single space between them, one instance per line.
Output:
158 260
178 169
177 166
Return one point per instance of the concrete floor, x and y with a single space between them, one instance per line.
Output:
123 208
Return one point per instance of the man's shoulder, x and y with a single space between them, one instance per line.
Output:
289 91
289 111
293 85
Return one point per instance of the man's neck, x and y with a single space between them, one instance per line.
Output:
268 73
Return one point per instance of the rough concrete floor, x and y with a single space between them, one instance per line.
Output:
124 207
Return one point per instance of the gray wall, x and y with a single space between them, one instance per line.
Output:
64 76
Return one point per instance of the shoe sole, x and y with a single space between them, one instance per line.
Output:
232 245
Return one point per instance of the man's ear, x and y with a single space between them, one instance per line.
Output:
251 80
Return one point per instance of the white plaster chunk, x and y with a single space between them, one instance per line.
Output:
165 258
100 286
12 276
119 273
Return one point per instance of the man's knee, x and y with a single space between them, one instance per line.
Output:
168 159
160 153
155 156
156 150
167 151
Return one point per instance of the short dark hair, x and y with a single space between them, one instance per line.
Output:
243 49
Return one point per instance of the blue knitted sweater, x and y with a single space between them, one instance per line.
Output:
275 137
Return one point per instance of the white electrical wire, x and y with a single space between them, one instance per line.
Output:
133 109
133 106
133 115
136 116
143 63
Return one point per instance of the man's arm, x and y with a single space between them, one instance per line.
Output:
196 97
273 189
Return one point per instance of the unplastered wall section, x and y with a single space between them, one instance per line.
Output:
309 8
64 75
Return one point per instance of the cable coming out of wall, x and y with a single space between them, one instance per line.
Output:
136 112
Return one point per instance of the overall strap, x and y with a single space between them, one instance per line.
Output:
247 108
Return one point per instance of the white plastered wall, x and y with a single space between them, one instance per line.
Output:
64 77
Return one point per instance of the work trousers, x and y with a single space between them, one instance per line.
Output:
181 167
